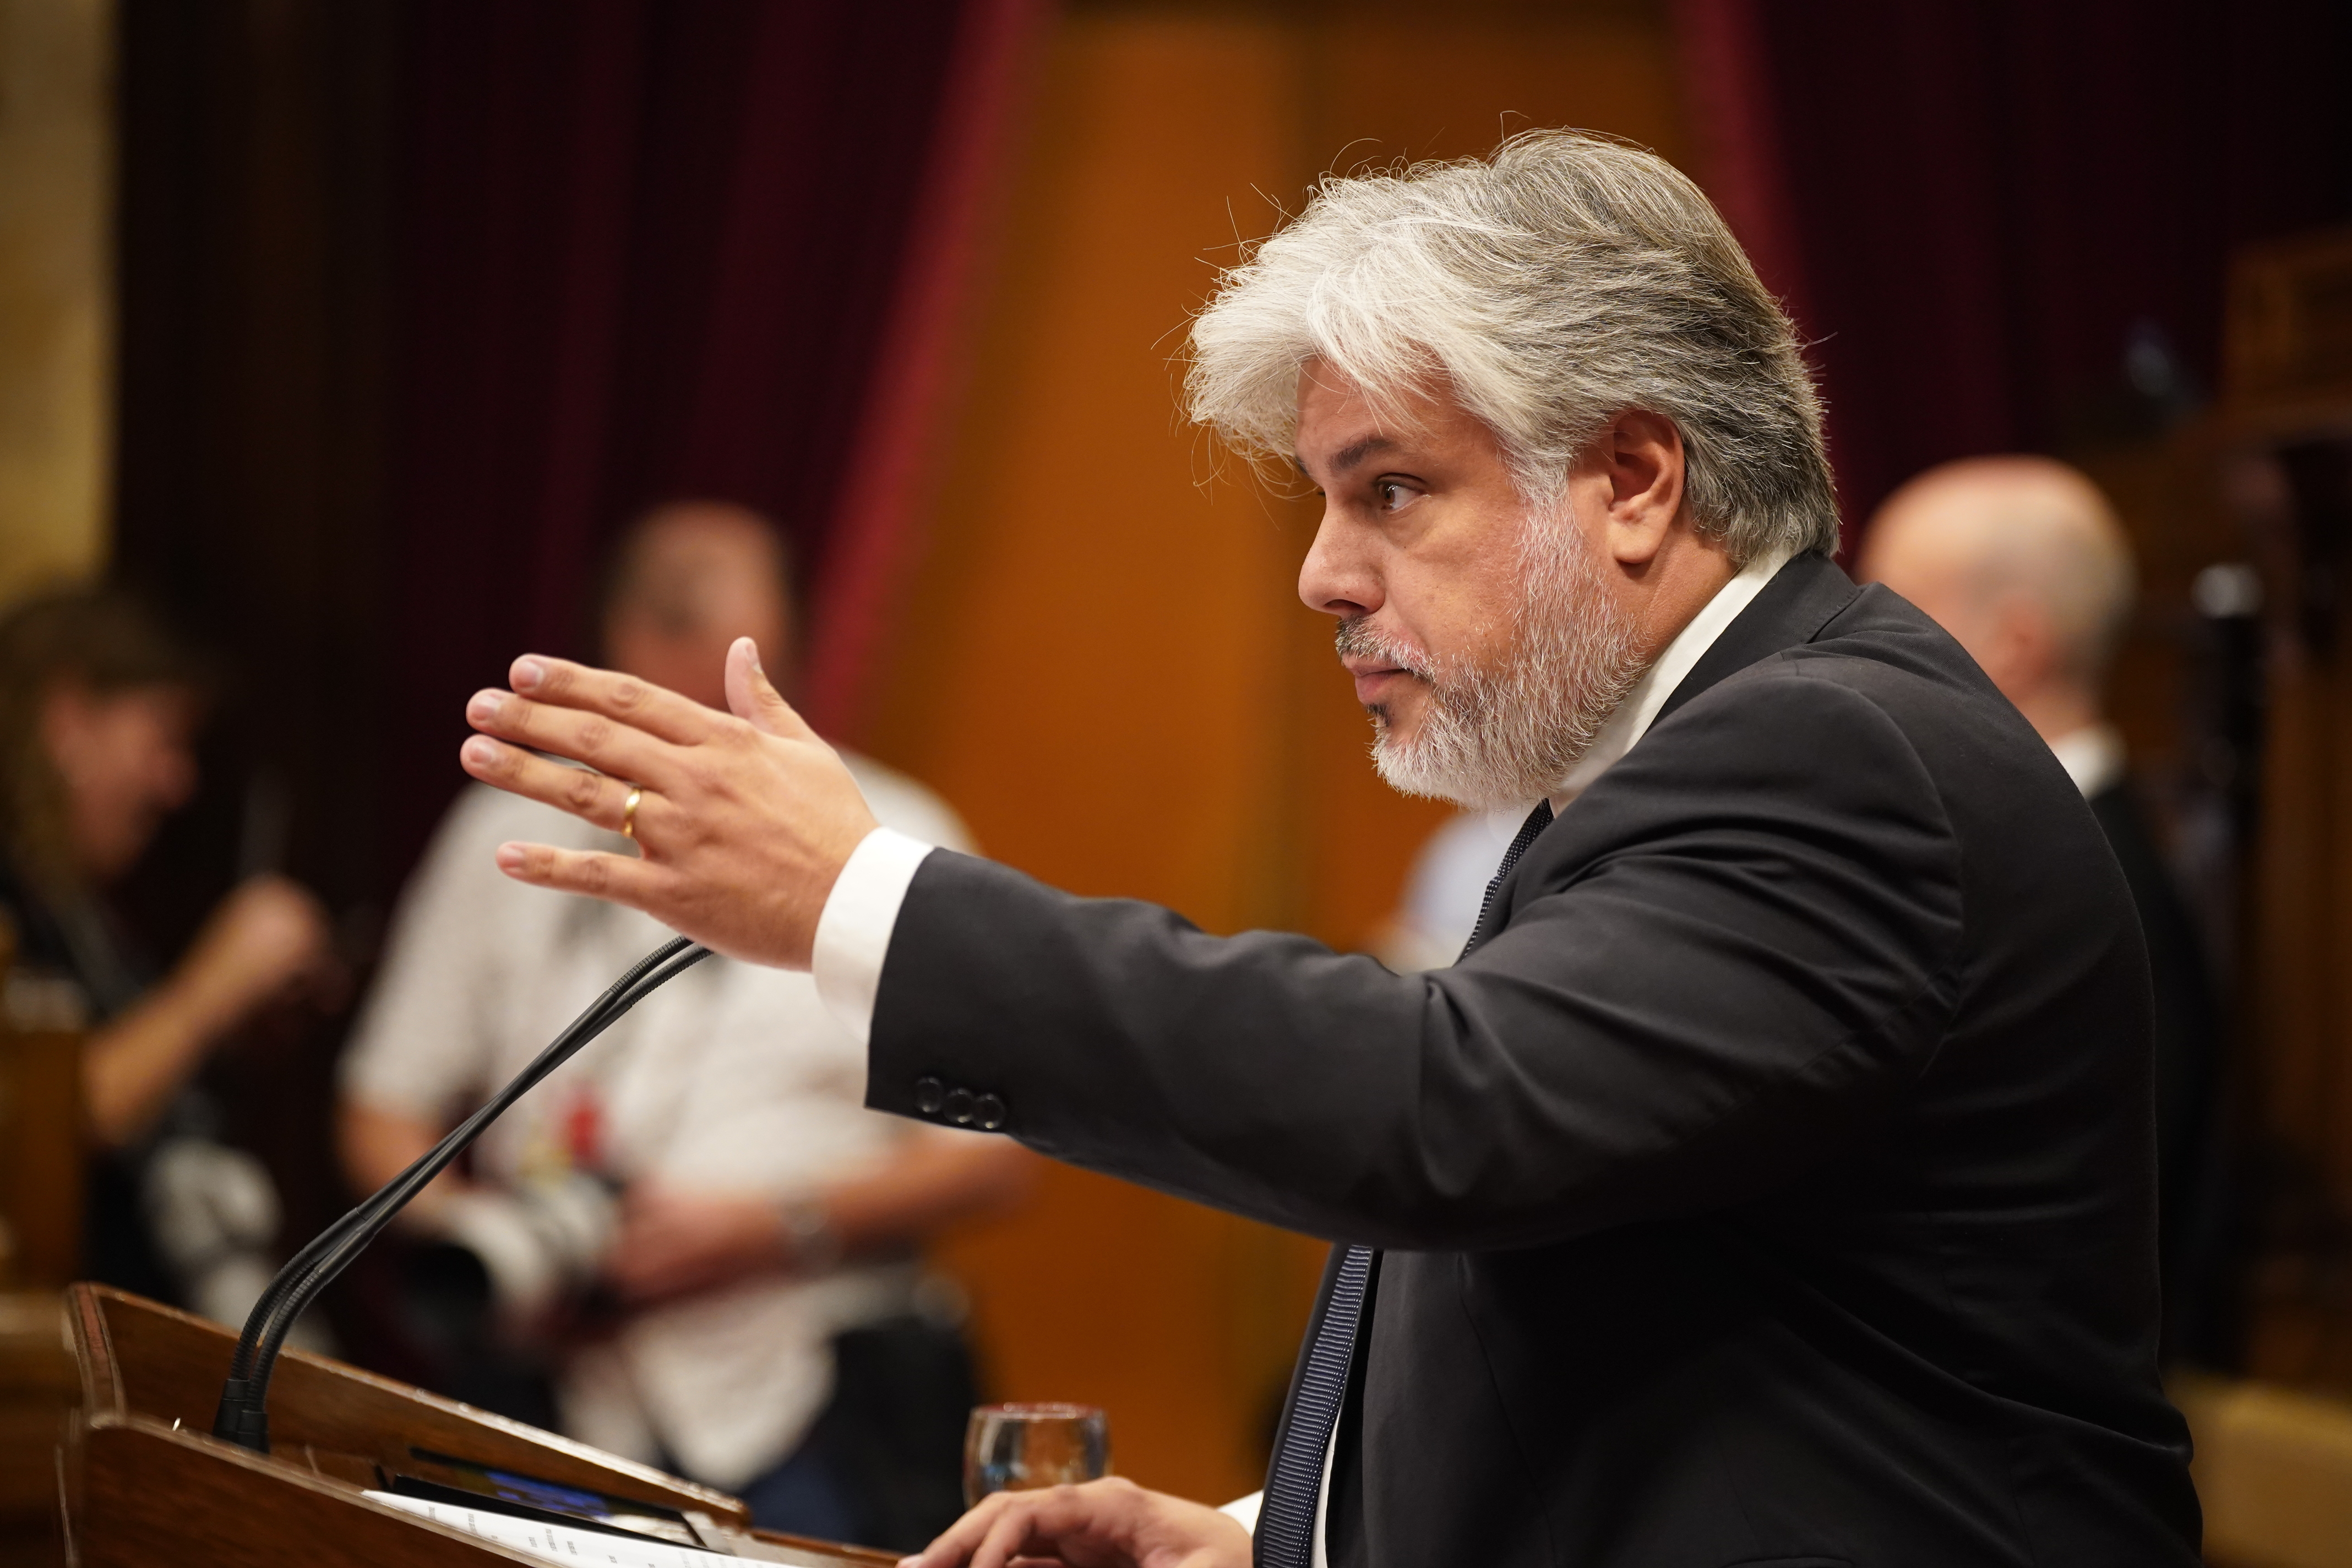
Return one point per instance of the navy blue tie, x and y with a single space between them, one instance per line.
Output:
1538 820
1285 1517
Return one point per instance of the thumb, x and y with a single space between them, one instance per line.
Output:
755 700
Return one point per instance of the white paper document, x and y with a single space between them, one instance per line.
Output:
558 1542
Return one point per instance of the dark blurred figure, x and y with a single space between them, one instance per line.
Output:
2022 560
98 712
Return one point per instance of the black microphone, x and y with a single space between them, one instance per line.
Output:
244 1414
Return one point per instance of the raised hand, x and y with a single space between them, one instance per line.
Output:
263 940
1109 1523
743 820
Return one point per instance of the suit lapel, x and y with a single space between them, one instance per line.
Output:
1802 597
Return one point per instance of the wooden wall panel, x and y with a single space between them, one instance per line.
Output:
2285 437
1082 675
57 306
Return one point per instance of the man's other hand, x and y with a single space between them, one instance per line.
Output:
743 821
1109 1523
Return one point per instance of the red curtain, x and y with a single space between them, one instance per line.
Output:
652 250
1977 208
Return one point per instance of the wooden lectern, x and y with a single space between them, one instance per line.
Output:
141 1480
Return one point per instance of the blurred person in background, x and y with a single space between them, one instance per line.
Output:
2024 562
1443 890
697 1217
99 708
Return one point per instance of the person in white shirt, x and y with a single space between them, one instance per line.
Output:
1445 888
708 1164
2022 559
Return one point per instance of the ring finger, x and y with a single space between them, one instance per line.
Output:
593 797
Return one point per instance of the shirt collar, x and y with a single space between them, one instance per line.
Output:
1633 716
2093 757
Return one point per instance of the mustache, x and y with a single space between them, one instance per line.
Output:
1357 637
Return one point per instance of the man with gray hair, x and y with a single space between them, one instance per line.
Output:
1769 1181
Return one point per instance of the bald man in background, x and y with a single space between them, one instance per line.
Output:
2024 562
702 1191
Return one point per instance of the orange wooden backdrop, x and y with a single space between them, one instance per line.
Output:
1102 662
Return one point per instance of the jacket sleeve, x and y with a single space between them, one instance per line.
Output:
1724 963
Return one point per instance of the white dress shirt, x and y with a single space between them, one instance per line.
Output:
2093 757
853 931
1639 710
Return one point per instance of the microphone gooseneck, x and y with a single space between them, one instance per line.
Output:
244 1414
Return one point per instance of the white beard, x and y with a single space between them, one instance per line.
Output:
1493 734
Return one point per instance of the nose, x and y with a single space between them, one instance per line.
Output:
1337 576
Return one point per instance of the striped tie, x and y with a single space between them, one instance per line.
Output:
1286 1519
1538 820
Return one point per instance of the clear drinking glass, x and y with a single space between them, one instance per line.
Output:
1017 1448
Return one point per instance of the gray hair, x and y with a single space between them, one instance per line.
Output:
1564 281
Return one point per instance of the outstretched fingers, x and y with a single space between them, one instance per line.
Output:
609 747
593 797
623 698
621 879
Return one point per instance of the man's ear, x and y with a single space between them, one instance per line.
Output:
1641 454
2025 653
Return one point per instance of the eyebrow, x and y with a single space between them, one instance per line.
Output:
1353 453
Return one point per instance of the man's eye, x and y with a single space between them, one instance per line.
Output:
1393 495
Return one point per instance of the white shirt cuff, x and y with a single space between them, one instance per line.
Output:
1244 1508
852 934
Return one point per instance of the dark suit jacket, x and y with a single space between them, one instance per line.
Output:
2191 1194
1774 1186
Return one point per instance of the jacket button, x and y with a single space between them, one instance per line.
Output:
988 1113
928 1093
959 1107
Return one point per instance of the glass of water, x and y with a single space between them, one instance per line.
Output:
1018 1447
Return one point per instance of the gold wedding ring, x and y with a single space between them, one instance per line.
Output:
629 813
